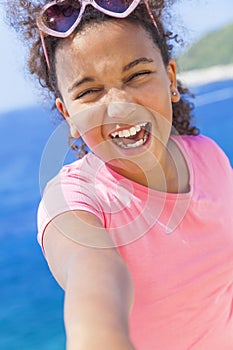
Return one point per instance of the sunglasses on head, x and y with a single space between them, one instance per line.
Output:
60 18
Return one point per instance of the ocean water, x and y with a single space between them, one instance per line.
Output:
31 315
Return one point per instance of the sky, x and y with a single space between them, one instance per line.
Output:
194 17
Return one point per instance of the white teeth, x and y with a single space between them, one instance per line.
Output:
133 130
131 145
128 132
138 128
114 134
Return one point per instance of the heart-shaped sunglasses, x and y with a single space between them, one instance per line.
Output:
60 18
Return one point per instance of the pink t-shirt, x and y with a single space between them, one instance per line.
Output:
178 247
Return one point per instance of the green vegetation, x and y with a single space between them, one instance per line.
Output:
215 48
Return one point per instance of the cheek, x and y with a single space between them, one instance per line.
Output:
98 145
93 138
89 121
157 97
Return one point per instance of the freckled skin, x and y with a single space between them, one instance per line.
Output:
110 91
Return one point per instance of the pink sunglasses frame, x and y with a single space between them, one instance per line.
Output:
45 31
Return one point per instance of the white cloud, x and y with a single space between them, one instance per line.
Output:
15 89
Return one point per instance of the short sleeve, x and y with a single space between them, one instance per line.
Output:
207 155
222 161
69 190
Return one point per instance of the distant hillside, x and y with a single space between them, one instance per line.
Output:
216 48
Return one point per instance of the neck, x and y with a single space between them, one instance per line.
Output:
170 174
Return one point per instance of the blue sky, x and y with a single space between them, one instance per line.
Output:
16 91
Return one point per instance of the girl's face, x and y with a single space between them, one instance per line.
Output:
117 94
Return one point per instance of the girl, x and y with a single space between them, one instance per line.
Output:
139 231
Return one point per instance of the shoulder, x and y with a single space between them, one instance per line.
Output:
197 142
208 164
72 189
73 186
203 149
88 165
78 172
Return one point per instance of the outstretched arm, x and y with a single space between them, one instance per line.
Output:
97 284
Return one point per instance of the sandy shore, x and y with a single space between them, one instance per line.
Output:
205 76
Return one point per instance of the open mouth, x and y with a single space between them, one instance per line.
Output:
133 136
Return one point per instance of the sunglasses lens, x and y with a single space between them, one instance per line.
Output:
60 18
118 6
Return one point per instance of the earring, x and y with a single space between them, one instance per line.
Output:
174 93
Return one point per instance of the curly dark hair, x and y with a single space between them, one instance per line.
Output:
22 16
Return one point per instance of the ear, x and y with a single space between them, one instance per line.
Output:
171 73
63 110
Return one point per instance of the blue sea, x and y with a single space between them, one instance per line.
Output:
31 315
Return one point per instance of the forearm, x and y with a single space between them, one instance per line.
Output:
98 286
98 338
97 308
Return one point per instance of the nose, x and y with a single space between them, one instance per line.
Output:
120 109
119 104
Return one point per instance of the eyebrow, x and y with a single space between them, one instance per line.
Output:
80 82
137 61
125 68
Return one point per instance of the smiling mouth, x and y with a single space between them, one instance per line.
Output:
132 137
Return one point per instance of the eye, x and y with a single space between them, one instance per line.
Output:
138 75
87 92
